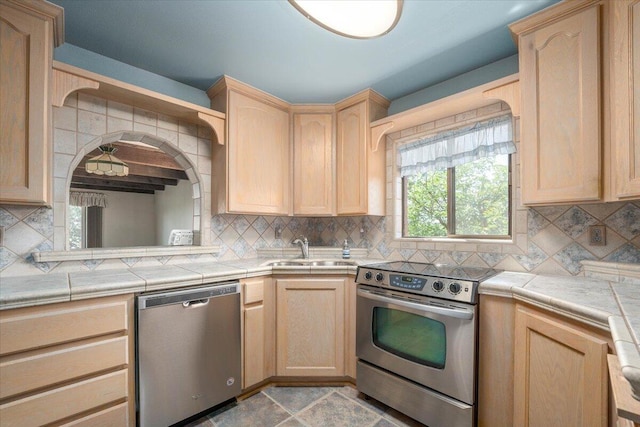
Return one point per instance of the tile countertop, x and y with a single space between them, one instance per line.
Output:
605 299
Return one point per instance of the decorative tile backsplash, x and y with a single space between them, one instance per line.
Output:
549 240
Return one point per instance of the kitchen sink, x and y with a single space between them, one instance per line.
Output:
285 264
331 263
309 263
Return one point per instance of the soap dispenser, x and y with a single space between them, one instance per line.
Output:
346 252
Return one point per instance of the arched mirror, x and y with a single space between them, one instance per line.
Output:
139 209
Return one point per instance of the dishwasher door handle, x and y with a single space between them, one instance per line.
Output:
195 303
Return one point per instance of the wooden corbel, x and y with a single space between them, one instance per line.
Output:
64 83
216 124
378 132
509 93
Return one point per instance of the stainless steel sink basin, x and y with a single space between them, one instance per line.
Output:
331 263
309 263
286 264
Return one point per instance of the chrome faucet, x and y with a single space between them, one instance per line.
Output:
304 245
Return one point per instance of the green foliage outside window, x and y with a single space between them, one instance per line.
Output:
481 205
75 227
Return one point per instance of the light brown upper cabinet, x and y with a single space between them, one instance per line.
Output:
360 173
625 105
560 80
251 173
313 172
28 32
327 150
579 79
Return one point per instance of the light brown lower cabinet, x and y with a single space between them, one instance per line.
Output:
310 326
495 367
538 368
258 339
560 373
68 364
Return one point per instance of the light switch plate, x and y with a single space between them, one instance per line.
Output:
597 235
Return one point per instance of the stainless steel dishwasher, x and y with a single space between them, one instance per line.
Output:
188 352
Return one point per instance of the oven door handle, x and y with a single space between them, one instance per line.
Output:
449 312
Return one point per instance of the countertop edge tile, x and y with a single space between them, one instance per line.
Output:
629 358
536 299
25 291
619 328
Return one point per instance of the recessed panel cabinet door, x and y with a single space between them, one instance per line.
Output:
313 164
26 48
310 327
258 162
561 129
351 156
625 90
560 376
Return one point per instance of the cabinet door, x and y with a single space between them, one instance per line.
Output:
560 376
25 64
350 358
625 81
310 327
258 157
312 164
351 160
258 334
560 83
495 361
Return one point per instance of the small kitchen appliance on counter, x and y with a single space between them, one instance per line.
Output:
416 339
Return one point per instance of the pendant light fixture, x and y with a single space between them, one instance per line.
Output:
358 19
106 163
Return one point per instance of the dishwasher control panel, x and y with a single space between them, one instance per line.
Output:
201 294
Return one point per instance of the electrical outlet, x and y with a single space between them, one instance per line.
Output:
597 235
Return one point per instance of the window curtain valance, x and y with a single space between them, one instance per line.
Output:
87 199
457 146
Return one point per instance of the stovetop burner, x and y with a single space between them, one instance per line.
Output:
450 282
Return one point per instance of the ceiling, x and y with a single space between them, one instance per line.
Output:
270 45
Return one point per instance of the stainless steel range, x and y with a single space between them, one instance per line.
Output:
416 339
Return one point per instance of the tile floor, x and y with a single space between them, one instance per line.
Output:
306 406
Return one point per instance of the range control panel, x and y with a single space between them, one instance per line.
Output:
439 287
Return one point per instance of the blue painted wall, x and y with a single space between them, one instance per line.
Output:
99 64
96 63
471 79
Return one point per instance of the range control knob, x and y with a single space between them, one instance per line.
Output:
455 288
368 275
379 277
438 285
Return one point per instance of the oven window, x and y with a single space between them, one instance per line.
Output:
410 336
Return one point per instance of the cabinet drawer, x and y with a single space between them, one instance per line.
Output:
114 416
33 372
65 401
253 291
31 328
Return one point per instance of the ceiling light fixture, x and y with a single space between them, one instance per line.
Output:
106 163
358 19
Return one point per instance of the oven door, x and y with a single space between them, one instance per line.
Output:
426 340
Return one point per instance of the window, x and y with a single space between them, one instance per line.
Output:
457 183
85 219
